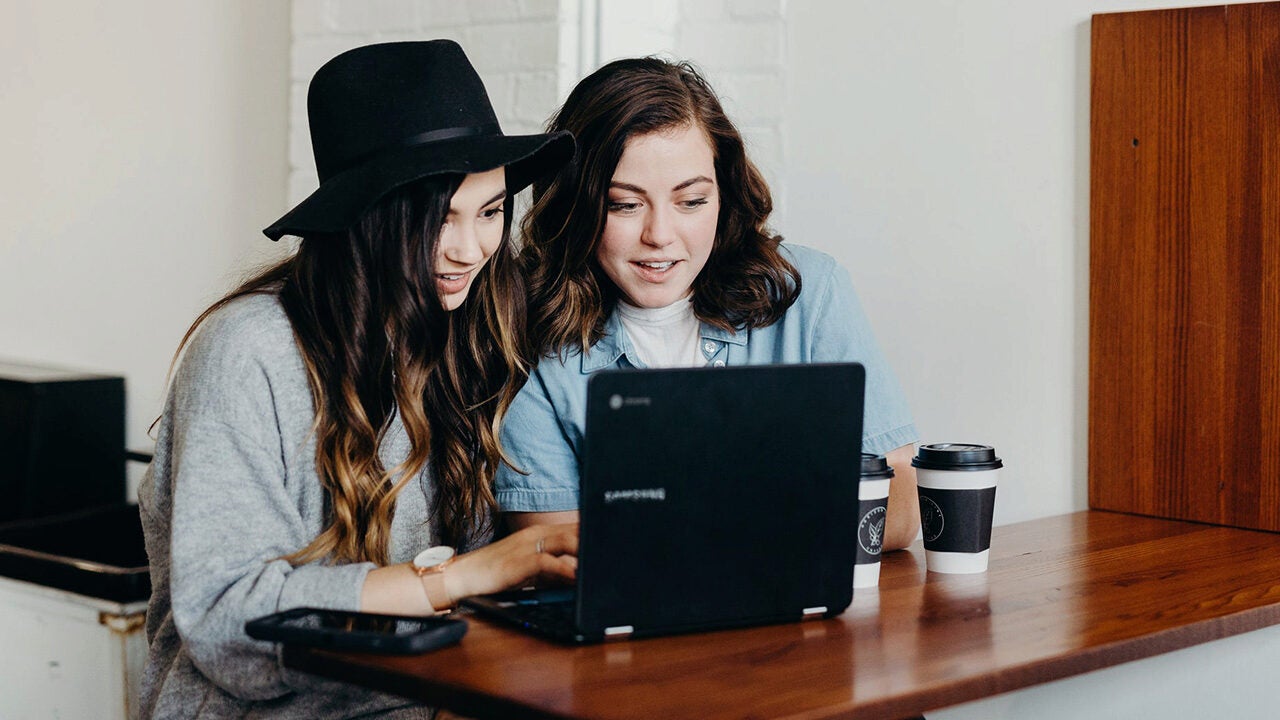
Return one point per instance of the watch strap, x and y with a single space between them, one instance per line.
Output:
432 578
437 594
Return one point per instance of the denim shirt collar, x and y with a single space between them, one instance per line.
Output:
615 344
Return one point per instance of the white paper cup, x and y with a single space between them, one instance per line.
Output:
956 484
873 509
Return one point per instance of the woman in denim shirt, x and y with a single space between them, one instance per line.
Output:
650 250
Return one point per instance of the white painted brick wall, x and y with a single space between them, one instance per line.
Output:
512 47
740 46
704 9
531 52
732 43
772 9
634 29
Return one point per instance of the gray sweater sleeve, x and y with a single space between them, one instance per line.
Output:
241 498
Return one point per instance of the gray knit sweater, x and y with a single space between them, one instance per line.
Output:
232 488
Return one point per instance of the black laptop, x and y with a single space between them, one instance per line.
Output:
710 498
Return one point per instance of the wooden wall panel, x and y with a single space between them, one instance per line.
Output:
1184 359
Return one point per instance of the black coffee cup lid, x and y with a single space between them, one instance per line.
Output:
876 466
956 456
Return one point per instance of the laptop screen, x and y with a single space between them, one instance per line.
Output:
718 496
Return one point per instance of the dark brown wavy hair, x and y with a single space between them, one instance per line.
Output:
746 283
376 343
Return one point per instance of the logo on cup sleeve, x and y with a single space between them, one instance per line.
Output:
931 519
871 530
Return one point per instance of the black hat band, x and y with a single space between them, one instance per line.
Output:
449 133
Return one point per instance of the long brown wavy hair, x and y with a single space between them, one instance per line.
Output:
377 343
746 283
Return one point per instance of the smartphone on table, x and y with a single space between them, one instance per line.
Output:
364 632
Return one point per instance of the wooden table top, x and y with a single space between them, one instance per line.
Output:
1064 595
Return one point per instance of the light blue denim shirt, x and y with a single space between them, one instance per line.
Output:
543 430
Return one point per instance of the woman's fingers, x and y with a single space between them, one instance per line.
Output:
556 539
563 567
548 551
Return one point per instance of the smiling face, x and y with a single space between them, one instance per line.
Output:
663 204
470 235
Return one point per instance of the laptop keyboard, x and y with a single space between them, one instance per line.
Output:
549 610
547 614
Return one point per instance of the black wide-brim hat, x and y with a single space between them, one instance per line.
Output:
385 115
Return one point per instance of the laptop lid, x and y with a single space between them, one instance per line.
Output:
717 497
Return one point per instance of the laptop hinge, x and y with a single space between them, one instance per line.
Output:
618 632
814 613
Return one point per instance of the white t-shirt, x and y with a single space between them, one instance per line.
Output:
666 336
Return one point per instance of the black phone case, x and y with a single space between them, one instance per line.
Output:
440 633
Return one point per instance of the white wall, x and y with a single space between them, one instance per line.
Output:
941 151
143 146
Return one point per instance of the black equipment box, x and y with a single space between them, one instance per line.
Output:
62 441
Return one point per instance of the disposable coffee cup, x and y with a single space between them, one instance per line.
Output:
956 483
873 507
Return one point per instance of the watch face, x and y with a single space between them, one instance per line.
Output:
433 556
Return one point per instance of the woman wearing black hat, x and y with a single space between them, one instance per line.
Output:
330 435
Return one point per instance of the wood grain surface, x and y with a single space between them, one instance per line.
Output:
1063 596
1184 358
